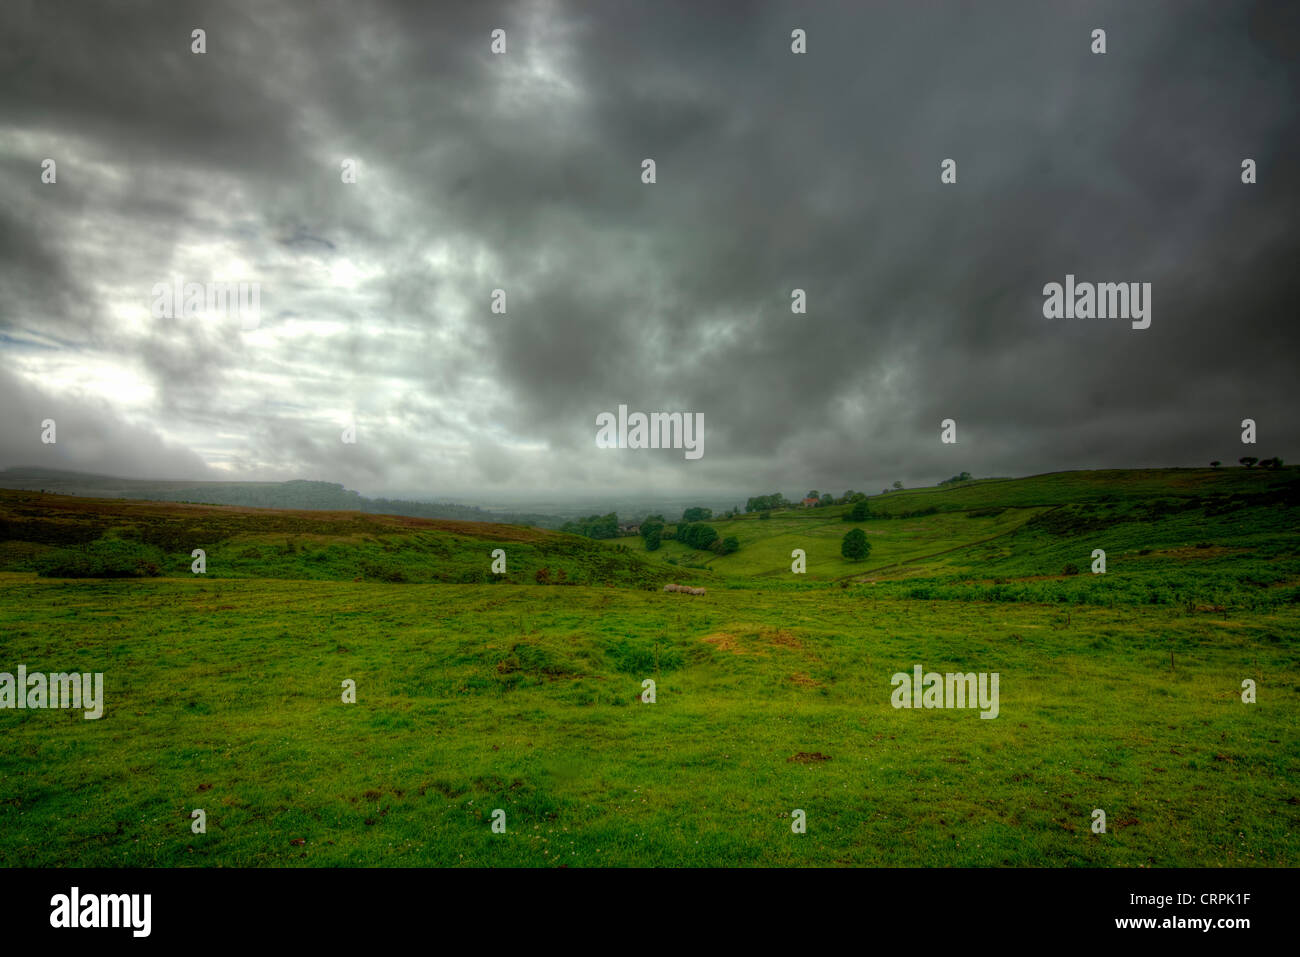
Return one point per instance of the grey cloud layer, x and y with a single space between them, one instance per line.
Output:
522 172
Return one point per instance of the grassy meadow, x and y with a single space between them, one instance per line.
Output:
522 692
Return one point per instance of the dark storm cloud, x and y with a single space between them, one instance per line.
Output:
775 171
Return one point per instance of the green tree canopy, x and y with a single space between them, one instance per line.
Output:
855 546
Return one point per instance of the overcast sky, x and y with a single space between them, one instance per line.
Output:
522 171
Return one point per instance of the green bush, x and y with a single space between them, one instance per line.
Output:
105 558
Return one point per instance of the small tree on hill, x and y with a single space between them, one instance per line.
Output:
724 546
1248 460
855 546
1215 465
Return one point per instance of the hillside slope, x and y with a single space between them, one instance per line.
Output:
64 536
1215 537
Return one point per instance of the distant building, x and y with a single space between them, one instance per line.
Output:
811 502
630 528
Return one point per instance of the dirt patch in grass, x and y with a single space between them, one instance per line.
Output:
803 757
724 641
752 640
804 680
783 638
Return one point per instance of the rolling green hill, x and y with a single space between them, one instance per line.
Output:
1219 537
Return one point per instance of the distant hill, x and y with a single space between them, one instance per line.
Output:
60 536
295 494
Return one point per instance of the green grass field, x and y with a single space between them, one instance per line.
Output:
478 692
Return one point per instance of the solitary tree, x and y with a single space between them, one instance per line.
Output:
1248 460
898 485
1215 465
855 546
858 513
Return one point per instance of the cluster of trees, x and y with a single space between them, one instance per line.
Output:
963 477
765 503
826 498
593 526
705 538
689 531
697 535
